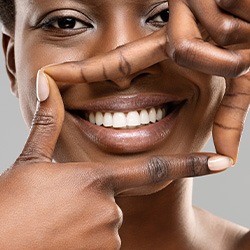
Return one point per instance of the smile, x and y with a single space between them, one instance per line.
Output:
128 124
131 119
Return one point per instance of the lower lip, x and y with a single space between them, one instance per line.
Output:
127 141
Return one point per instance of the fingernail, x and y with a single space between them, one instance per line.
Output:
42 86
218 163
246 71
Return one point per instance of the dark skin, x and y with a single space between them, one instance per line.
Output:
93 174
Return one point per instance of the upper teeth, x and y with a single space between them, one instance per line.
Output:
127 120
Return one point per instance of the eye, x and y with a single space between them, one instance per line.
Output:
65 23
158 16
162 17
159 19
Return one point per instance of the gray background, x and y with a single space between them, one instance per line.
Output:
226 195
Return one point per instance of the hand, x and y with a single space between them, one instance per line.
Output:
185 45
47 205
227 22
230 117
228 25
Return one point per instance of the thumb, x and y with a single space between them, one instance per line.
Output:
46 124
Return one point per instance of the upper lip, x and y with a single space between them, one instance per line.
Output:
126 140
124 103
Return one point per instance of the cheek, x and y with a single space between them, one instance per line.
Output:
30 57
211 94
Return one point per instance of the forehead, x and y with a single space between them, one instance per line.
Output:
91 2
88 2
29 7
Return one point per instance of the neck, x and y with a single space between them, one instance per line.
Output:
161 219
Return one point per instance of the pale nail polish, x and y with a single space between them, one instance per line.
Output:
42 86
245 72
219 163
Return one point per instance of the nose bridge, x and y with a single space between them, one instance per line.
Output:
123 27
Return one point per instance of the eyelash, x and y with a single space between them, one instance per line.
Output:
74 24
164 15
51 23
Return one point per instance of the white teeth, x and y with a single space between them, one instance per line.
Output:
119 120
159 115
144 117
92 118
99 118
133 119
130 120
108 120
152 115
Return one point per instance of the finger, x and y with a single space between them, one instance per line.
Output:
186 48
230 118
223 27
240 8
189 50
46 124
158 170
116 64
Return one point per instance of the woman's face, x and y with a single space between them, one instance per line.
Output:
57 31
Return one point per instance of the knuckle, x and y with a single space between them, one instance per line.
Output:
182 52
238 66
33 153
92 178
125 68
82 72
43 119
227 31
226 4
196 164
158 168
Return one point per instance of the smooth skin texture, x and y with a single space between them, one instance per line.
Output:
179 45
58 198
54 201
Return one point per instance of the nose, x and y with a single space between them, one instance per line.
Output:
125 82
119 29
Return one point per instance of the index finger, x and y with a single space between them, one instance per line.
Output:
116 64
182 43
134 174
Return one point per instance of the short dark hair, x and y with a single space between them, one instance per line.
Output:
7 14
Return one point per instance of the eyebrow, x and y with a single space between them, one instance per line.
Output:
93 2
96 4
